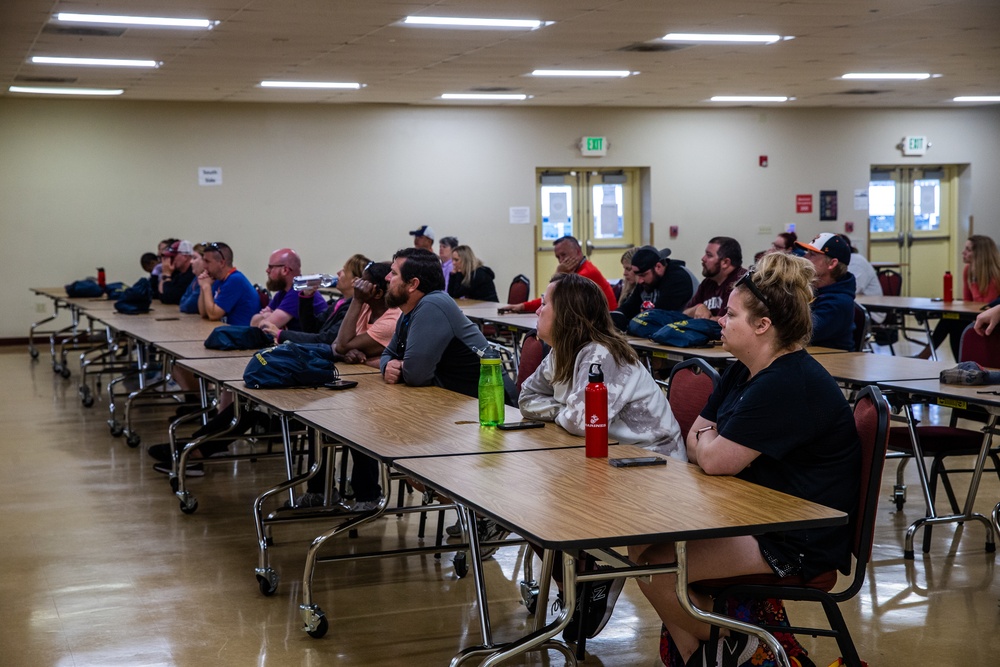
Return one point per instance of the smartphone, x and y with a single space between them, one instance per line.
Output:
517 426
638 461
341 384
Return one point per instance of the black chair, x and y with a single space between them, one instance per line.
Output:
862 327
871 414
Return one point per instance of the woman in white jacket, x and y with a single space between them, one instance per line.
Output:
575 322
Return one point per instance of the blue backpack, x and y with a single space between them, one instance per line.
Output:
136 299
688 333
291 365
648 322
230 337
87 287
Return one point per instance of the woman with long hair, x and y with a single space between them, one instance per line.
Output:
776 419
628 275
470 279
980 283
575 322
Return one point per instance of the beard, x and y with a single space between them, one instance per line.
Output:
275 285
395 299
709 273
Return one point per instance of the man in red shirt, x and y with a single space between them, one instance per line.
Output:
569 254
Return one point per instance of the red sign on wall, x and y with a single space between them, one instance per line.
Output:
803 203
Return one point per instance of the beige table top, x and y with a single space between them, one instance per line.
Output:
911 304
865 368
195 349
217 369
155 327
950 395
560 499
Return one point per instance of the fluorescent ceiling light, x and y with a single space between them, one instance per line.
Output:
609 73
484 96
749 98
103 62
709 37
311 84
896 76
977 98
65 91
458 22
148 21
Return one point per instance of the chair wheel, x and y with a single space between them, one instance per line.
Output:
133 440
268 582
189 506
322 626
461 563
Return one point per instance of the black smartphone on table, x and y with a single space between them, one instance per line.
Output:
518 426
638 461
341 384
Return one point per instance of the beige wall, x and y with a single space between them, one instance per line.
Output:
88 183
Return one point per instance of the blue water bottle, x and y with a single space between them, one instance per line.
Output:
491 394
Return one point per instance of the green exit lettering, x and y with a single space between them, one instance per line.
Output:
595 143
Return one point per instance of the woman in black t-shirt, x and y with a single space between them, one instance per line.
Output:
779 420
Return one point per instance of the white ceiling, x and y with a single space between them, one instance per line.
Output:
362 40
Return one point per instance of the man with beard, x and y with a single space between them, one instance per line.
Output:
722 266
176 273
434 342
282 267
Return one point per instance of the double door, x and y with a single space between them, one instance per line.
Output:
912 218
600 207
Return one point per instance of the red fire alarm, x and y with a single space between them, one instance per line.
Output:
762 160
673 231
848 227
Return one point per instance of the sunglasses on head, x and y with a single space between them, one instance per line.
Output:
747 280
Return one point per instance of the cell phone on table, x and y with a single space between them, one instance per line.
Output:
341 384
638 461
518 426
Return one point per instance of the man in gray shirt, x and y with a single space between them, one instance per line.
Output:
434 342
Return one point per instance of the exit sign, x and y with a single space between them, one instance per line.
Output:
594 146
915 145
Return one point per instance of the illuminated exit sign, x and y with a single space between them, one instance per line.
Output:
594 146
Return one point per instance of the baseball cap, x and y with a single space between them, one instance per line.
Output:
179 248
646 257
424 230
830 245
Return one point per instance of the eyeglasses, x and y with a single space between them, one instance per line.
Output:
747 280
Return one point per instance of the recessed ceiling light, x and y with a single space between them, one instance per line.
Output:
609 73
508 97
101 62
750 98
710 37
312 84
977 98
459 22
148 21
889 76
65 91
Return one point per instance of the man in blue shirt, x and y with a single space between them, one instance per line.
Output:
226 294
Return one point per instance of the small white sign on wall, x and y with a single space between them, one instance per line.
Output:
520 215
209 175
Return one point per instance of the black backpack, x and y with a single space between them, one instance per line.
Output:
136 299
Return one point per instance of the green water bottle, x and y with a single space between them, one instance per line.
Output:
491 406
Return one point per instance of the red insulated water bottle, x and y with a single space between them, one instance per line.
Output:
596 414
948 288
101 280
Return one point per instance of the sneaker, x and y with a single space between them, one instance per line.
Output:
601 597
366 505
489 531
733 650
161 452
315 500
454 530
193 469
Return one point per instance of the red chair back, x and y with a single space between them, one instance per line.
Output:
520 287
691 383
871 418
263 295
891 282
984 350
533 351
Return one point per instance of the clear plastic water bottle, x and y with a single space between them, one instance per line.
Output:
313 281
491 393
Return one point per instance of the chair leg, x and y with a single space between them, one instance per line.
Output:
848 651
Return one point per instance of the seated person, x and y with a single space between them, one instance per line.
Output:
323 329
722 266
189 300
226 294
446 248
980 283
283 266
575 322
369 323
833 305
569 254
176 273
760 426
469 278
628 275
660 283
